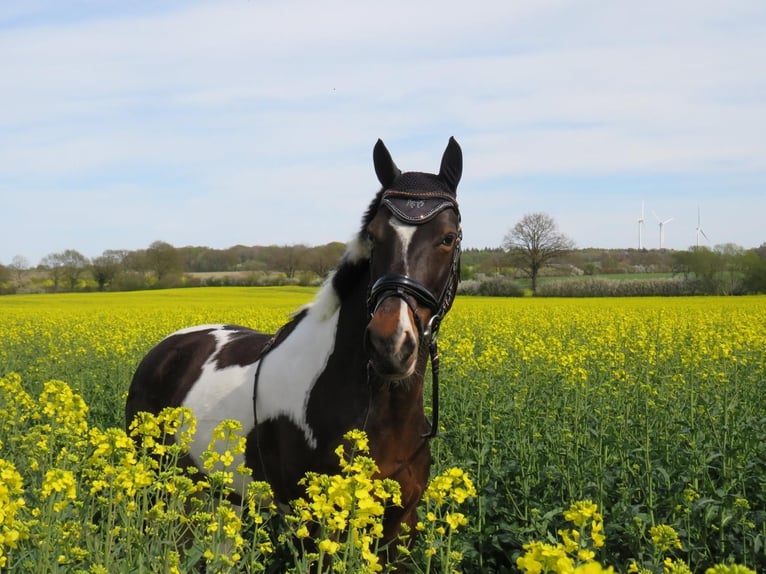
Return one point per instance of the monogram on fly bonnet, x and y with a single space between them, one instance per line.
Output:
355 357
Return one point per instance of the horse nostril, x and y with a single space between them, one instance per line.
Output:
407 347
392 355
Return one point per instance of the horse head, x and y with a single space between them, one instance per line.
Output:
413 228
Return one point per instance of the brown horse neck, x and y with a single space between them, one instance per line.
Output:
396 423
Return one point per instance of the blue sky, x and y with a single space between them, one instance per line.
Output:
253 122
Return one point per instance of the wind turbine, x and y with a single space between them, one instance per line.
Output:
640 225
662 228
699 228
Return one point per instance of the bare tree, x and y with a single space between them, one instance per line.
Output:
18 265
534 241
323 258
52 262
287 258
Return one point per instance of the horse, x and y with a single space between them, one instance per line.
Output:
353 358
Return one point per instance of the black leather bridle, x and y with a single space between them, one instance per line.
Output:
409 289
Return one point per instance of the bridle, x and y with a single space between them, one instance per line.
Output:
416 208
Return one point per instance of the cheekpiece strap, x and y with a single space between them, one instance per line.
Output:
418 207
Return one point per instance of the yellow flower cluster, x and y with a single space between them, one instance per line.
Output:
665 538
145 503
443 495
452 484
344 512
154 515
62 482
11 502
575 553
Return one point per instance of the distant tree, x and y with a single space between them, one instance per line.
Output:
18 265
52 264
707 266
534 241
74 265
285 258
730 256
322 259
202 259
135 261
165 260
753 264
106 266
682 261
66 266
487 261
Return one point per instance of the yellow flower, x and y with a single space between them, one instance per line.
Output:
664 537
59 480
580 512
359 439
729 569
455 519
597 533
329 546
593 568
671 566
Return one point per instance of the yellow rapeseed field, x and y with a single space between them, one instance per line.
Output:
645 413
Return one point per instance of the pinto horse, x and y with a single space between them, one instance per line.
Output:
355 357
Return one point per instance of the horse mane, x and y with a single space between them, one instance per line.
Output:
355 262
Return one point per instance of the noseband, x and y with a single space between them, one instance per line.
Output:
416 208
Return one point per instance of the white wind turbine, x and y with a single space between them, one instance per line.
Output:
640 226
662 228
699 229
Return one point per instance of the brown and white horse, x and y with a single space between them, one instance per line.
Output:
355 357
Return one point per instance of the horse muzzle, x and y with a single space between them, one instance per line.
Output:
392 339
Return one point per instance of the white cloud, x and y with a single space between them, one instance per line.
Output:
219 104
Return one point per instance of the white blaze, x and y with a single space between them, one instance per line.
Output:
405 233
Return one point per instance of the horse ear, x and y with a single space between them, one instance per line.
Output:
385 167
452 164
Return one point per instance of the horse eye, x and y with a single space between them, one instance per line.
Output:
448 240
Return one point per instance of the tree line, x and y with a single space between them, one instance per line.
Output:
532 250
163 265
536 242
